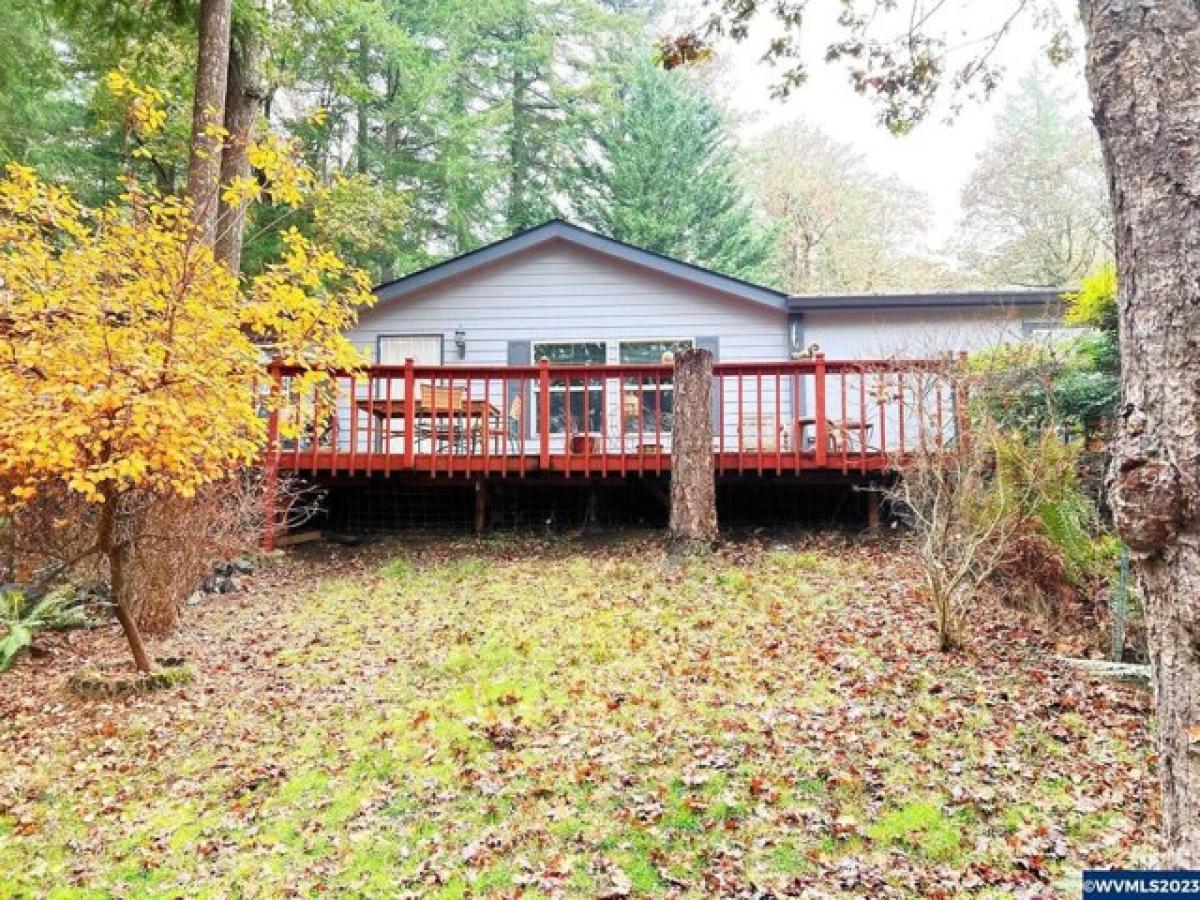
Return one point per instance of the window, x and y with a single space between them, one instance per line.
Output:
567 395
646 399
423 349
395 349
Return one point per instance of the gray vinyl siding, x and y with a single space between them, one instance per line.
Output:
884 334
560 292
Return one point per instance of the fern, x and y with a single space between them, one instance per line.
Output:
1043 469
1069 522
21 619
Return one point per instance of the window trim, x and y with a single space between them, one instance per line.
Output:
536 359
1049 326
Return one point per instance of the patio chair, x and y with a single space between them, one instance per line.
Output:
440 415
759 431
849 436
502 432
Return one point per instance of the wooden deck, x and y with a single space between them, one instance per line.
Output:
467 421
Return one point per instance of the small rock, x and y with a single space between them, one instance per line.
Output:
196 598
219 584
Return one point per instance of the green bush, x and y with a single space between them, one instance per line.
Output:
1072 383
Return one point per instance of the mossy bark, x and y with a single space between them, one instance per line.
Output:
1143 68
693 490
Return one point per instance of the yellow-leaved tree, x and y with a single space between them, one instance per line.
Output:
131 360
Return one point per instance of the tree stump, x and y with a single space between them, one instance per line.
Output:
693 491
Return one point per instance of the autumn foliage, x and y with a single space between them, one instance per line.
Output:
130 359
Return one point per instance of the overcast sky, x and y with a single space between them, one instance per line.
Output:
936 158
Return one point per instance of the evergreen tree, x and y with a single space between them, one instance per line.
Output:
543 73
436 126
34 111
473 112
666 178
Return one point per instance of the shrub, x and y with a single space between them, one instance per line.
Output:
1072 383
963 514
999 505
173 542
1060 553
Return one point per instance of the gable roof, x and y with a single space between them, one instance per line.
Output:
1038 297
558 230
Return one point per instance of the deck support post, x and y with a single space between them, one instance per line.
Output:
271 477
693 486
874 499
544 415
819 413
481 498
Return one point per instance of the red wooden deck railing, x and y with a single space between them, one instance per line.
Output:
848 416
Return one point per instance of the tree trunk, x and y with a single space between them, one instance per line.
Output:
518 157
208 114
518 212
114 552
245 96
693 491
1143 69
362 108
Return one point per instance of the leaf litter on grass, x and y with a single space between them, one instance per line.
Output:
520 717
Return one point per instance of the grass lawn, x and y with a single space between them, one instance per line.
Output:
524 717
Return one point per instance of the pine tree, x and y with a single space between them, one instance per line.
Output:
545 82
667 179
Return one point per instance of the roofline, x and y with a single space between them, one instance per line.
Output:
1040 297
557 229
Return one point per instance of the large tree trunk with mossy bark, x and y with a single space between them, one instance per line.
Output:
245 95
208 114
113 549
693 492
1143 66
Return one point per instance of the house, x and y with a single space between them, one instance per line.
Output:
548 354
567 293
